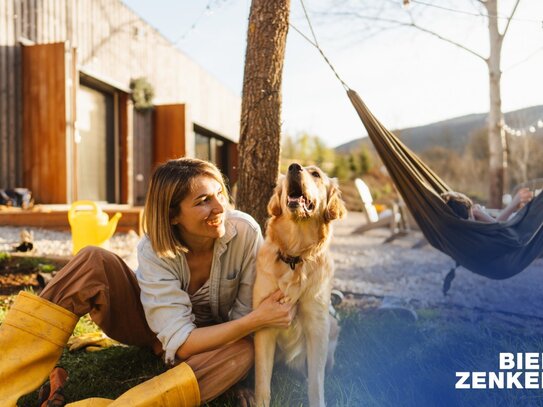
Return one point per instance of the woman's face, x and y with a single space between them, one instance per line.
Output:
202 211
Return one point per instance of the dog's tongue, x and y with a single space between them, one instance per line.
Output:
294 201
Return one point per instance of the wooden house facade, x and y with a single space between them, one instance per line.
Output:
68 126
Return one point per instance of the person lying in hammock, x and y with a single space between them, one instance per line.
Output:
466 209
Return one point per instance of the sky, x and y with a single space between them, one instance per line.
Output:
407 78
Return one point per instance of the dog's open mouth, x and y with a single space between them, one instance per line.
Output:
296 199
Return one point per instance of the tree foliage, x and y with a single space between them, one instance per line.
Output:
307 149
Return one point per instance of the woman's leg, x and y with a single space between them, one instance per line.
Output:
36 329
198 380
218 370
100 283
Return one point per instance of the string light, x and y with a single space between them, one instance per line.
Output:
530 129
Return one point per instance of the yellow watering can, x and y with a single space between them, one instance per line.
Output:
90 226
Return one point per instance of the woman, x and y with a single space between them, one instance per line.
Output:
190 300
464 207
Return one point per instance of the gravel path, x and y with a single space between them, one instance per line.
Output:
364 265
55 243
367 266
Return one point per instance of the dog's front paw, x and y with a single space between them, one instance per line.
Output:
261 402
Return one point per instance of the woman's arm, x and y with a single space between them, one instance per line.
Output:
270 313
479 214
167 306
168 311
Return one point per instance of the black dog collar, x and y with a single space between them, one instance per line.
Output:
290 260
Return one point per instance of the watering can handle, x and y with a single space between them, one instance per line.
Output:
76 204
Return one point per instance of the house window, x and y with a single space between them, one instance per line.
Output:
203 147
213 149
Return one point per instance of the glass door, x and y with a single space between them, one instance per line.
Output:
95 146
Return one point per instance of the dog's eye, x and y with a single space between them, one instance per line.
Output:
316 174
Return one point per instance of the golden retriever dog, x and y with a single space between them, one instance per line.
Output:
295 258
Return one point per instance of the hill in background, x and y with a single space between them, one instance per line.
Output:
453 134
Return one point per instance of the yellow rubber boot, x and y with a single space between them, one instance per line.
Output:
176 387
32 337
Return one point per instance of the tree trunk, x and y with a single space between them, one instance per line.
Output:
496 136
260 133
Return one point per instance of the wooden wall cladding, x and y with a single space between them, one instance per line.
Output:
10 99
44 122
113 45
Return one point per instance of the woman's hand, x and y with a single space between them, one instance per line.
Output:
522 197
274 311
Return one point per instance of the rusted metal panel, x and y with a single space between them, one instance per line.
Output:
170 127
44 122
233 156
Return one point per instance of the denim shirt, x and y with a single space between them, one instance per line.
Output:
164 282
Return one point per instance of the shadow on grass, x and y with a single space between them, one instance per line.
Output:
381 360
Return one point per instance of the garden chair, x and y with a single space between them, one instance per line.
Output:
395 218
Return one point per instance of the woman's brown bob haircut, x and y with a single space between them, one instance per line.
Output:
171 182
459 203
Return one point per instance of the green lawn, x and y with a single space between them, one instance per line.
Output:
381 361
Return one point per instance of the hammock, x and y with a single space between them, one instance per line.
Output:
494 250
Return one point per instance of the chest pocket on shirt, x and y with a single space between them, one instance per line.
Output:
229 289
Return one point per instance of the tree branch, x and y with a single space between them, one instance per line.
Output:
510 18
412 24
430 32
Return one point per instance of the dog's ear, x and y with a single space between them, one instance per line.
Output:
274 206
335 208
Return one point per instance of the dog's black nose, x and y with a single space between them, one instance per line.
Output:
294 167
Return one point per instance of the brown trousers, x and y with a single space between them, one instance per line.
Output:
99 282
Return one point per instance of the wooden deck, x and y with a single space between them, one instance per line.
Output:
56 217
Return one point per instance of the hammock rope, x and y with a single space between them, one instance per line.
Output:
315 43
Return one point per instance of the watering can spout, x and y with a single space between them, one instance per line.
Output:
106 231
